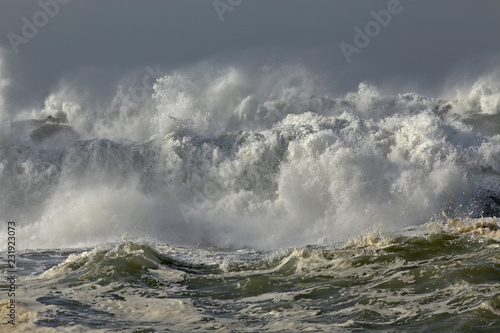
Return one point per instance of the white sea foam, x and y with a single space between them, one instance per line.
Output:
234 157
483 97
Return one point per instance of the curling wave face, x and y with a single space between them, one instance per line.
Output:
240 158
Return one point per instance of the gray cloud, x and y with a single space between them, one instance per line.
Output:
424 43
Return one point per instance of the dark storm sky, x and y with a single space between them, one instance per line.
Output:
425 42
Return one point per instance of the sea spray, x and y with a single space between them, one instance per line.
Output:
290 166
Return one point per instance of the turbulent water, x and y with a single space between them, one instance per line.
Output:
252 200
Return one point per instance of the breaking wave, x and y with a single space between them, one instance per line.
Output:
238 157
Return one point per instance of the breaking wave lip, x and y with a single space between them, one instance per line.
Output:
242 158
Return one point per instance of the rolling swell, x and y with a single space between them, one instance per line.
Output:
441 279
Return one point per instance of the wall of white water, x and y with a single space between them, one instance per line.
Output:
246 157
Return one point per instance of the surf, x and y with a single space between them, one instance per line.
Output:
239 158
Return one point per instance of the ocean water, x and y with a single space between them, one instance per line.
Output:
243 200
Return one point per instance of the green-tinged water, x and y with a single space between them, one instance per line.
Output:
421 282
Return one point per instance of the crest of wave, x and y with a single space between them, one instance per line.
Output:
209 100
483 97
478 104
